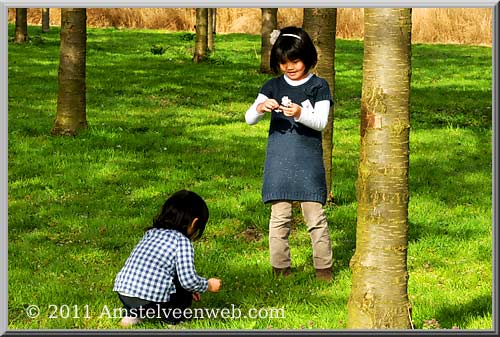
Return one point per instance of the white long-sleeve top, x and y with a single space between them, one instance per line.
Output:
314 117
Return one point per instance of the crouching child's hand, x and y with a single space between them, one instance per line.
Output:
214 285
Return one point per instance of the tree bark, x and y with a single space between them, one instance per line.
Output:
321 25
21 33
71 101
269 23
379 298
214 21
201 45
45 20
210 29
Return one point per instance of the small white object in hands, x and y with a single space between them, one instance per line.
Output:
285 101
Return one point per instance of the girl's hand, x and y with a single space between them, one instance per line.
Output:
196 297
214 285
294 110
267 106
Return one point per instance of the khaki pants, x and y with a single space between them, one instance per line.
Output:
279 229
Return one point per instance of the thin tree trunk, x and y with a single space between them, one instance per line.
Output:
21 33
201 45
210 29
321 25
214 20
379 298
269 23
71 101
45 20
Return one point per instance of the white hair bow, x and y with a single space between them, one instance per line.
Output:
274 36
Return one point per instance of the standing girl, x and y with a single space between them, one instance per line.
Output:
299 104
159 278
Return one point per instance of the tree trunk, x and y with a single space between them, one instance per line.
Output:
21 33
379 298
269 23
321 25
45 20
71 101
200 48
210 29
214 21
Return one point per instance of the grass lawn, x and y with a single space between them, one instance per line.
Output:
158 123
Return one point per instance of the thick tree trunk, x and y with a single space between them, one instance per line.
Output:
71 101
201 45
269 23
379 298
321 25
45 20
21 33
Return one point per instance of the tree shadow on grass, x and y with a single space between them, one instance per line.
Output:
343 233
463 314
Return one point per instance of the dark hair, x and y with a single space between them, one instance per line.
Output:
179 211
290 48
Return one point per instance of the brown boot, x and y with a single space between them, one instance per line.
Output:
282 271
324 274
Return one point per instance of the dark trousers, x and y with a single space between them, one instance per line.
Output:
166 311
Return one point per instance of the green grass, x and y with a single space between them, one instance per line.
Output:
158 123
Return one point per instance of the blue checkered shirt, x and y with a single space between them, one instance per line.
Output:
149 270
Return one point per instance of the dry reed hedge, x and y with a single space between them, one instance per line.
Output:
472 26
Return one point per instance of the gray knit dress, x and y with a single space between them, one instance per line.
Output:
293 168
